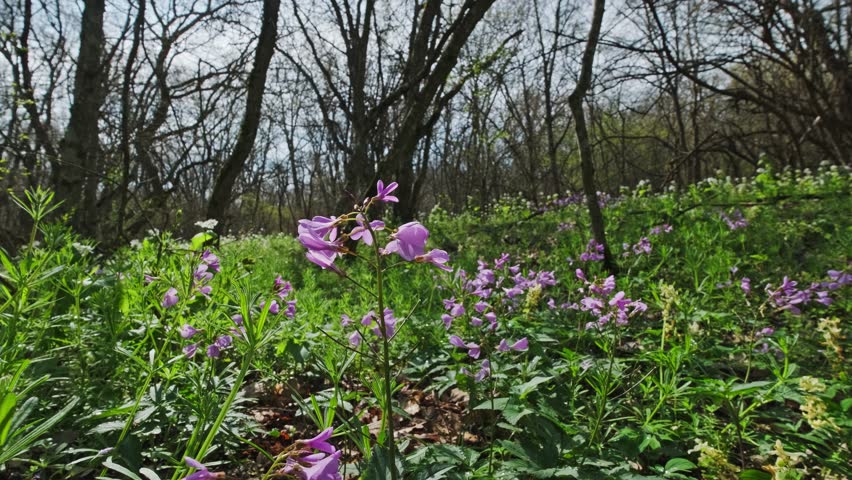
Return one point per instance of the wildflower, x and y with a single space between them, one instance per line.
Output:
291 309
735 221
355 338
149 279
745 285
208 224
436 257
408 242
281 288
765 332
202 472
211 260
82 249
187 331
447 319
274 308
382 192
237 319
189 350
170 299
312 235
484 371
473 350
810 384
594 252
361 232
519 346
322 467
345 320
224 341
213 351
319 442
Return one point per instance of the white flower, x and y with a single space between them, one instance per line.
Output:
168 186
208 224
82 249
135 244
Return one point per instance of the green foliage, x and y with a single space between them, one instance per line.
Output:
695 387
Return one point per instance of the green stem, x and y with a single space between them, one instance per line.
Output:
211 435
386 365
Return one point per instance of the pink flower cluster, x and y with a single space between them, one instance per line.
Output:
325 243
371 322
314 459
594 252
606 306
736 221
496 284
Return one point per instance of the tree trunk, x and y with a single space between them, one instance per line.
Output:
235 162
77 175
575 101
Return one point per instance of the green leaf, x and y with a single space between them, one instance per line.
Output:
678 465
496 404
526 388
753 474
201 239
7 408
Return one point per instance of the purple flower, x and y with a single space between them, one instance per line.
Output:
345 320
355 338
409 241
594 252
237 319
473 350
436 257
201 274
281 288
361 232
312 235
213 351
382 192
211 260
480 306
325 468
170 299
735 221
447 319
520 346
745 284
224 341
189 350
765 332
320 442
187 331
149 279
274 308
202 473
484 371
291 309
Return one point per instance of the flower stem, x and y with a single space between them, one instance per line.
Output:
387 402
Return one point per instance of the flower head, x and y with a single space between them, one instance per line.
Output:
383 192
409 241
202 472
170 299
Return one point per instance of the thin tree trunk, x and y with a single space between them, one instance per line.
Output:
575 101
138 27
235 162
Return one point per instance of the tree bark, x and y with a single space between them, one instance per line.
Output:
575 101
223 188
77 174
